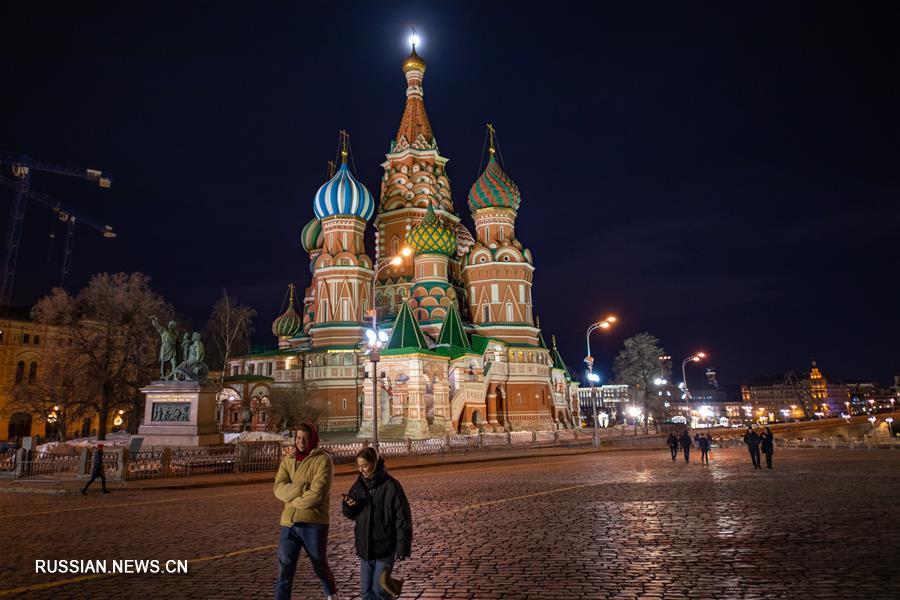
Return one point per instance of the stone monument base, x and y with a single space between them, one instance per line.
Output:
180 413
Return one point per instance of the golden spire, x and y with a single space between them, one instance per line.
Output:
414 62
331 169
291 288
345 137
492 150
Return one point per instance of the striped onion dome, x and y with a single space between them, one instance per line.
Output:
432 236
290 323
343 195
494 189
311 234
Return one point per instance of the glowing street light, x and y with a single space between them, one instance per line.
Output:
589 360
634 412
692 358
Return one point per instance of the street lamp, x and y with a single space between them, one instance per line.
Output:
890 427
589 360
376 340
872 421
687 394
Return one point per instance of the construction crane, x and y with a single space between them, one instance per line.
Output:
67 217
22 166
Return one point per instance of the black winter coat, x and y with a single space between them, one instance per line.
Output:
752 439
97 467
382 516
685 441
768 443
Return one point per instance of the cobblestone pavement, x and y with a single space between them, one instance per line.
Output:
823 524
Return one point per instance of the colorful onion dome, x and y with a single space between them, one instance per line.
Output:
311 234
432 236
290 323
343 195
413 62
494 189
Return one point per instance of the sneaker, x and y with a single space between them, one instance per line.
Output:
84 492
105 491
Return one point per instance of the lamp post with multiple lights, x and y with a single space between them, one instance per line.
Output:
589 360
376 340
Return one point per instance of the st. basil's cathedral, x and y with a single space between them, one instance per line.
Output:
463 350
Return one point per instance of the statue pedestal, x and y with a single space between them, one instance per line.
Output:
180 413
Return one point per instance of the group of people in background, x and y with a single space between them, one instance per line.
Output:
684 442
757 444
376 503
764 441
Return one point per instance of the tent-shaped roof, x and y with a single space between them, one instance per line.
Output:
452 332
558 362
406 334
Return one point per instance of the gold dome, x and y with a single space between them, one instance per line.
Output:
413 62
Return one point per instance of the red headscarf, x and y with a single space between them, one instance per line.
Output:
313 442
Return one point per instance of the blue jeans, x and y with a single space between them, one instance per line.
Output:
370 575
314 538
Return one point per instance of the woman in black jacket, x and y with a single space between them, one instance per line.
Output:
383 530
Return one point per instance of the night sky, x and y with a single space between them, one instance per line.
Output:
723 175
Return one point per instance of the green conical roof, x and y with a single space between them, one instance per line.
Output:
557 359
452 332
406 332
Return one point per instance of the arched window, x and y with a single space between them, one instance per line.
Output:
32 372
20 371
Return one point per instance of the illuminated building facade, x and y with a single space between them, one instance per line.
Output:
465 352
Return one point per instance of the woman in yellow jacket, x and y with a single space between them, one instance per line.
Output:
303 483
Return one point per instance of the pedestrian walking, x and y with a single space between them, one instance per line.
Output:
672 442
704 442
96 471
686 442
303 483
383 522
768 446
752 439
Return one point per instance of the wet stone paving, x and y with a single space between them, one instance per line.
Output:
822 524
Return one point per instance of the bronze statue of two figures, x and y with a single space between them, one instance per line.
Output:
191 367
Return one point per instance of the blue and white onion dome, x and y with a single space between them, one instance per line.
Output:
343 195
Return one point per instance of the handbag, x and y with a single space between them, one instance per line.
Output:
389 584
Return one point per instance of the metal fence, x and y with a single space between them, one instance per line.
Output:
250 457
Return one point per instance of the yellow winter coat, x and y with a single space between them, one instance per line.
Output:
305 488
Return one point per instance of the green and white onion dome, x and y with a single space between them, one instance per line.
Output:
311 235
289 323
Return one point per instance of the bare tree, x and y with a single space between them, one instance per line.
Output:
291 406
58 391
113 341
638 364
228 329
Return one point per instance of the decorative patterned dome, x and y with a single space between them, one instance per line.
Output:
494 189
413 62
343 195
311 235
290 323
432 236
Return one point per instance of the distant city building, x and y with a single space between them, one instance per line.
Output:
610 399
781 398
